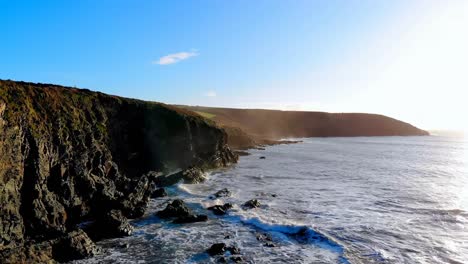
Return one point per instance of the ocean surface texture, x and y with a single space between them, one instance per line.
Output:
326 200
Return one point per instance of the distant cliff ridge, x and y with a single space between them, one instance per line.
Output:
69 155
266 125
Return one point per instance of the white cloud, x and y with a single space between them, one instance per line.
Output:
175 57
210 94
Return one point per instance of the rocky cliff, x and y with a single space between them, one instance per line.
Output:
69 155
263 126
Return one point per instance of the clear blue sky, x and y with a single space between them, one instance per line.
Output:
307 55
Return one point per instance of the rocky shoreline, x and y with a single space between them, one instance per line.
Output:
75 165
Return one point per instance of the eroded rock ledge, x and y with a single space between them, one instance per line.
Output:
68 156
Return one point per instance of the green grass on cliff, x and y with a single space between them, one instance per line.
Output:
205 114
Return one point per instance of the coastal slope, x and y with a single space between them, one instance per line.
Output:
264 126
70 155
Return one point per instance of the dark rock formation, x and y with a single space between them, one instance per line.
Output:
254 203
220 209
221 193
158 193
262 157
177 208
217 249
69 155
190 176
190 219
109 225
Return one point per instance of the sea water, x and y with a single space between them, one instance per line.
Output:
325 200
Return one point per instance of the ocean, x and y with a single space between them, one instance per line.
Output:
325 200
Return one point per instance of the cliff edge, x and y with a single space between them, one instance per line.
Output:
70 155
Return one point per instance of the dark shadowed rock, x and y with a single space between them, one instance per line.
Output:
177 208
221 193
158 193
217 249
191 175
262 157
220 209
190 219
237 259
233 249
254 203
76 245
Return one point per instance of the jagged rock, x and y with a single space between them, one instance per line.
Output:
221 193
237 259
217 249
269 244
175 209
191 175
233 249
69 155
190 219
76 245
254 203
220 209
263 237
158 193
109 225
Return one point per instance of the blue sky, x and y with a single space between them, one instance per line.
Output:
339 56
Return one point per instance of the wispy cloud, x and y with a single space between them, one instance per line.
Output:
210 94
175 57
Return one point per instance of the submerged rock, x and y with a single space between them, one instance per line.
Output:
190 219
177 208
254 203
220 209
262 157
221 193
237 259
158 193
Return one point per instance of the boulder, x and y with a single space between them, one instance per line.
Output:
110 225
177 208
217 249
191 175
190 219
158 193
220 209
221 193
76 245
254 203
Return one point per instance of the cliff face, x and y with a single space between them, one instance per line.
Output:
263 125
70 155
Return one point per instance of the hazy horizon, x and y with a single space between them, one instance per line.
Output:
405 60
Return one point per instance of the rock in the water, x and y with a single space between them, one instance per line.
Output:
221 193
263 237
177 208
220 209
217 249
190 219
233 249
269 244
191 175
237 259
262 157
158 193
254 203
